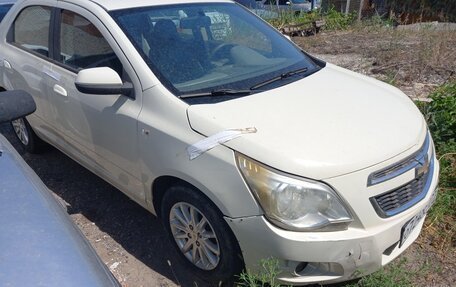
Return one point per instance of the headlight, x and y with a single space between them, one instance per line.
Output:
291 203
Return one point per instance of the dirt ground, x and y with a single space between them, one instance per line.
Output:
131 241
415 58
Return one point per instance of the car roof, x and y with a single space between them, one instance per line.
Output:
122 4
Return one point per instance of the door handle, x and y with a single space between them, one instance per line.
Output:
6 64
60 90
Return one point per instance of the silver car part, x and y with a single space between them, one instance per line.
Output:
194 235
21 130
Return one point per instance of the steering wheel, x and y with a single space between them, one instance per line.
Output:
221 47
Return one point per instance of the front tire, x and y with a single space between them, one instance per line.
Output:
27 137
203 240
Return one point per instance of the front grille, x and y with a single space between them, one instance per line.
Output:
393 169
399 168
398 197
401 198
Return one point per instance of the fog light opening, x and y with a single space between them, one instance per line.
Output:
300 267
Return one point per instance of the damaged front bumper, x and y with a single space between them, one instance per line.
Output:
329 257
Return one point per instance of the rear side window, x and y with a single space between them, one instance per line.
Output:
83 46
31 29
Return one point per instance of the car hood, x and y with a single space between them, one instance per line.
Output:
328 124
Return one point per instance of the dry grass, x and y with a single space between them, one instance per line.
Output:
411 58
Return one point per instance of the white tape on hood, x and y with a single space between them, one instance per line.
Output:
197 149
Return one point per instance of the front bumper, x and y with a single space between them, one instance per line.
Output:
328 257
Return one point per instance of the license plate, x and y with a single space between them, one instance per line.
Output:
410 225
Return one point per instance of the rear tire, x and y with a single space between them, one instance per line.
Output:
205 244
27 137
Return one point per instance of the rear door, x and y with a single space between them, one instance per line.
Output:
25 60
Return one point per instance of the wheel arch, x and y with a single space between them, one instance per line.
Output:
162 183
225 233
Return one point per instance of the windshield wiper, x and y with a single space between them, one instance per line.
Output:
234 92
278 78
216 93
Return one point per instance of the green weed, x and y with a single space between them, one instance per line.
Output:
394 275
339 21
440 114
390 78
266 276
334 19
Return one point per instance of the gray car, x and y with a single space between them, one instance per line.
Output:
296 6
39 244
258 8
5 5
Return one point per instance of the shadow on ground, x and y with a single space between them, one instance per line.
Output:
135 229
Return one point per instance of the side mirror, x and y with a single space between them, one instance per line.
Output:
15 105
102 81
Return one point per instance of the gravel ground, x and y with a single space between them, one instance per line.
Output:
131 241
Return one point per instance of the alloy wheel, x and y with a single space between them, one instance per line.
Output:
21 131
194 236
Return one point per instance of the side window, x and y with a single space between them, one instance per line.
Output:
83 46
30 30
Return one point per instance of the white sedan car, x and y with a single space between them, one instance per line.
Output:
246 146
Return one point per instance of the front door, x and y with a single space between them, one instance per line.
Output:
99 129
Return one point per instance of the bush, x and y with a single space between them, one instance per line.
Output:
339 21
334 19
440 114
